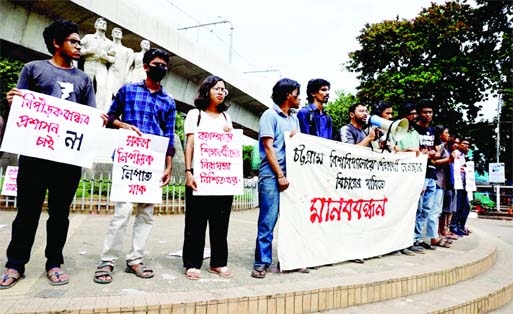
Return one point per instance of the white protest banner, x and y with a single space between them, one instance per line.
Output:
9 186
218 163
50 128
138 165
345 202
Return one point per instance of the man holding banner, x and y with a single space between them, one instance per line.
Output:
272 176
59 78
143 107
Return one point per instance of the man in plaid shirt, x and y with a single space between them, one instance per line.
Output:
143 107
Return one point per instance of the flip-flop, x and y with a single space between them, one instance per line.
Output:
442 242
57 273
224 272
193 273
16 277
258 272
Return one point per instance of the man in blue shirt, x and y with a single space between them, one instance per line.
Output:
143 107
272 176
313 119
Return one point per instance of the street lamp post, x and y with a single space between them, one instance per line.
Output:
498 186
230 54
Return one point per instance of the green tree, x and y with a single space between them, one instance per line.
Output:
455 54
9 72
339 108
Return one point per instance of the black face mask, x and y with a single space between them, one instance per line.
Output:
156 73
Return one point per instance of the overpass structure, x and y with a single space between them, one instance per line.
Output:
23 21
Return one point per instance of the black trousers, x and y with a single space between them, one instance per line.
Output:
200 210
36 177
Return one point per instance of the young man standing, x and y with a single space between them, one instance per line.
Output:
59 78
272 176
352 133
313 119
427 217
143 107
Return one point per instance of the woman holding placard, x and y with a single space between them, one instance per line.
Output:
209 115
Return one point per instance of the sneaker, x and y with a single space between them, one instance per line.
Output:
417 249
407 252
425 245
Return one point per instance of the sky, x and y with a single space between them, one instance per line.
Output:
298 39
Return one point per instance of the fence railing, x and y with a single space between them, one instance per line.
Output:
501 195
93 196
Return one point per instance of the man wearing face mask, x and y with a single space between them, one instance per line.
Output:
130 110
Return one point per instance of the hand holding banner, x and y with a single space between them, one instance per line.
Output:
50 128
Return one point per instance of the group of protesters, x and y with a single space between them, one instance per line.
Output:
144 107
443 205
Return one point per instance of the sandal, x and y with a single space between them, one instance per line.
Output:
258 272
56 277
14 276
103 274
142 271
193 273
441 242
224 272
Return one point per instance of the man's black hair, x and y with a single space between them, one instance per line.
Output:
59 30
155 53
282 88
425 103
352 108
314 85
380 107
406 108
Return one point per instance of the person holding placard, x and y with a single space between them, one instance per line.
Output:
272 177
143 107
56 77
210 115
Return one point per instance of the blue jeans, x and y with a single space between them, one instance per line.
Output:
427 215
438 203
459 219
269 204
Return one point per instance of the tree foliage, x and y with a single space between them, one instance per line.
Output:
9 72
339 108
454 54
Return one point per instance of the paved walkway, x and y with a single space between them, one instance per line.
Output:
85 241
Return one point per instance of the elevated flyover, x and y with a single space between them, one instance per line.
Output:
22 23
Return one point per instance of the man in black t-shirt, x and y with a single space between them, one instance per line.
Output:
426 213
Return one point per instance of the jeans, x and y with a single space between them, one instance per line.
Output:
113 242
427 215
438 201
35 177
269 204
459 219
200 210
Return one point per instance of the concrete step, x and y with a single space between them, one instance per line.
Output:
505 309
335 288
487 292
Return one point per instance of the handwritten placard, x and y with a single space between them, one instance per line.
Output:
218 163
138 166
9 186
345 202
50 128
